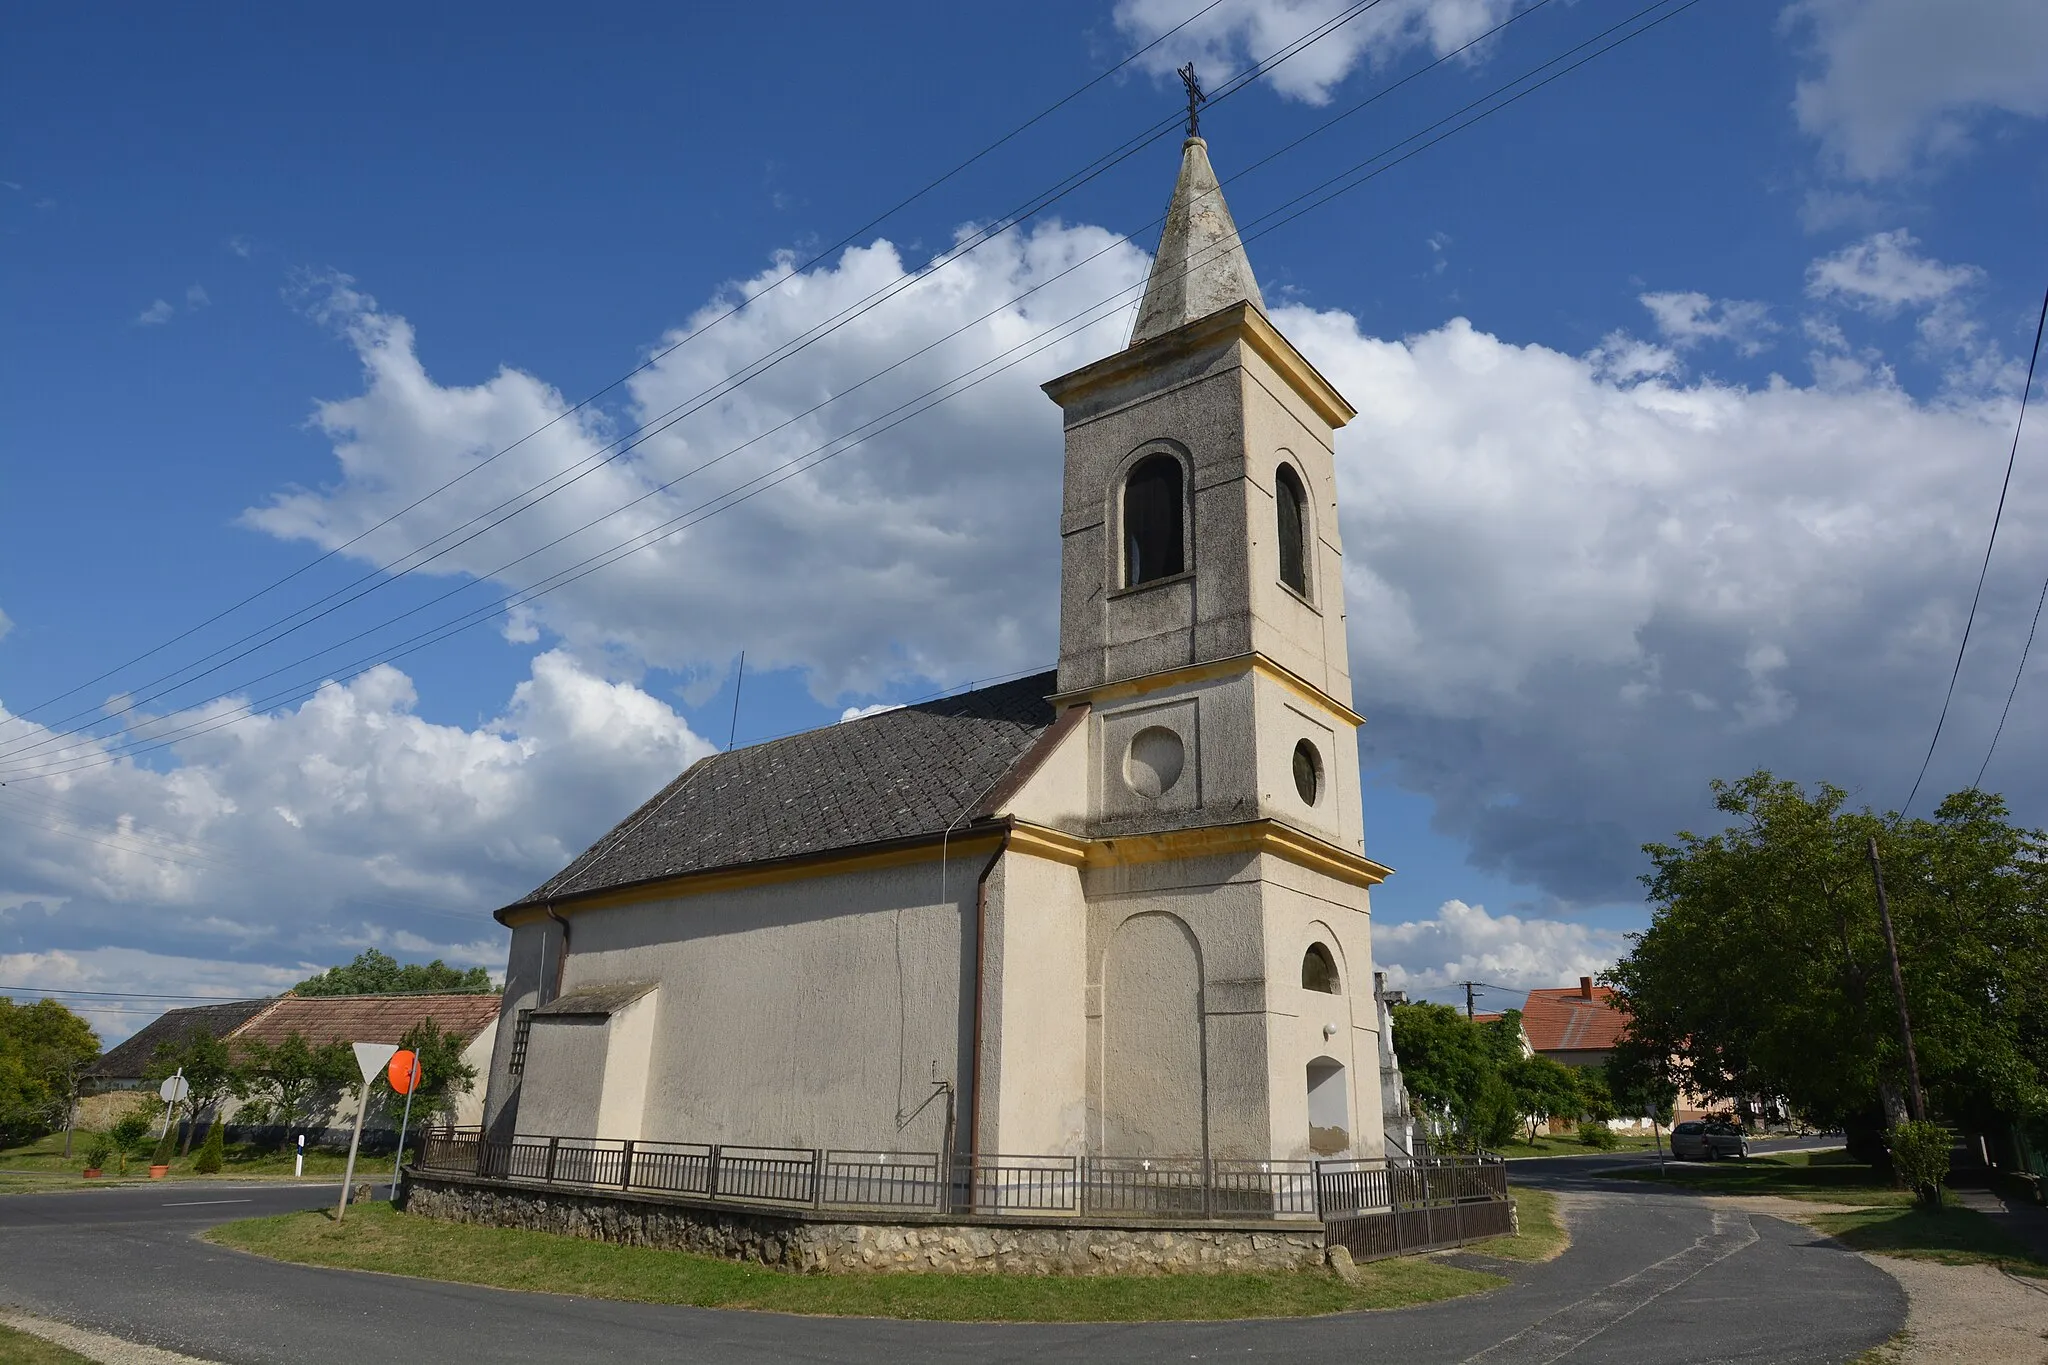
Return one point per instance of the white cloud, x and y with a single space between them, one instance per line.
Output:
350 821
862 712
196 296
240 245
1465 943
1902 83
156 314
1234 34
5 625
116 971
1687 318
1884 272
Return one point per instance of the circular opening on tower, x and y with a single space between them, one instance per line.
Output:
1308 772
1154 762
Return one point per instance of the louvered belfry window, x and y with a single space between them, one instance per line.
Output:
1292 501
1154 542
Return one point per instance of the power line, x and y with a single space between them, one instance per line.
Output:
380 576
1328 190
652 360
1983 571
2032 357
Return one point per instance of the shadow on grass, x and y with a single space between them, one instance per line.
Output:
1952 1237
1828 1177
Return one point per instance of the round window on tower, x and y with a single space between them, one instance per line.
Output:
1308 772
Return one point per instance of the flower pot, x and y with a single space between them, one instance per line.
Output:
159 1172
92 1173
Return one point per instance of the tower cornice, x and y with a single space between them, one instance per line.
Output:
1240 322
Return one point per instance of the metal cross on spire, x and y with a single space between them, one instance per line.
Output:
1196 99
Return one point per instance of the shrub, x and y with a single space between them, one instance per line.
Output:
1598 1135
213 1152
128 1136
1920 1156
98 1151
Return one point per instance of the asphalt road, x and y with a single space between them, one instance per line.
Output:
1651 1276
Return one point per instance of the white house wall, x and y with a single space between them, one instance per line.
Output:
782 1006
1034 1026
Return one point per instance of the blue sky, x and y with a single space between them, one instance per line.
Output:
1687 383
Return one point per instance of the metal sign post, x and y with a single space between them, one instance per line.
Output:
370 1059
1650 1113
406 1066
174 1089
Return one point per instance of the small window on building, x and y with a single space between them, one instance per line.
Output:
1308 772
522 1030
1319 970
1153 503
1292 502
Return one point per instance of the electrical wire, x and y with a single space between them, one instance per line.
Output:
651 360
380 576
1327 191
1983 572
2032 358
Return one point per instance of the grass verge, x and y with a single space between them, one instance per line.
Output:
1952 1237
1542 1236
1568 1144
1825 1177
377 1238
44 1160
19 1348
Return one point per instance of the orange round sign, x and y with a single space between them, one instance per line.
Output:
404 1071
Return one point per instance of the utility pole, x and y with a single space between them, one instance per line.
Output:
1891 948
1468 985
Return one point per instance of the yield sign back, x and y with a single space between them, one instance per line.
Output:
372 1058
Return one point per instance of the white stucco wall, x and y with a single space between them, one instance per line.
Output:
1034 1025
808 1012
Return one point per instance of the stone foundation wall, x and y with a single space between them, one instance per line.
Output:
799 1241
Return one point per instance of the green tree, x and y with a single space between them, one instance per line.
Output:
209 1067
1543 1088
375 973
1764 972
44 1050
213 1152
129 1136
1452 1067
285 1078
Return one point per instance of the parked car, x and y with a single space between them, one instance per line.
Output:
1706 1140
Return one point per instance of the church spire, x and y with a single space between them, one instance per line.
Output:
1201 265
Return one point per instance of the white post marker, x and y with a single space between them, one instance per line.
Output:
299 1166
371 1058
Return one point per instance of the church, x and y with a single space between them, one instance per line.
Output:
1119 908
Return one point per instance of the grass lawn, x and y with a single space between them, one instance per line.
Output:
1568 1144
41 1164
1541 1237
1886 1221
19 1348
375 1237
1953 1237
1825 1177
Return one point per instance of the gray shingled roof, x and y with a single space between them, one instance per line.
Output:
131 1058
904 773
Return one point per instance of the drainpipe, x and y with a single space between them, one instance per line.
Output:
561 958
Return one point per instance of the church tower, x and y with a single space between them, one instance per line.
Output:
1202 625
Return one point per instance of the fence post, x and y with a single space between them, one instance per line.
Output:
554 1145
711 1174
626 1166
1316 1176
817 1178
1081 1184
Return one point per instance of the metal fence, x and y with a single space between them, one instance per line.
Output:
1153 1188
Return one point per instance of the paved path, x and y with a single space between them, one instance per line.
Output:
1651 1276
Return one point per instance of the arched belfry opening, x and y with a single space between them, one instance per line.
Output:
1155 501
1319 971
1290 500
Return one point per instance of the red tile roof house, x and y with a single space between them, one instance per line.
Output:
318 1019
1580 1026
